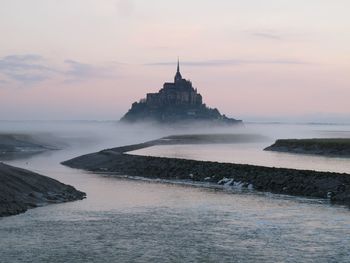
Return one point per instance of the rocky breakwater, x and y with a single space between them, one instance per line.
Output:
21 190
333 186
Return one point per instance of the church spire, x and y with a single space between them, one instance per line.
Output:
178 74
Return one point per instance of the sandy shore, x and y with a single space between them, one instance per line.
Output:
115 161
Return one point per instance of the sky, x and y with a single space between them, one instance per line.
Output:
252 59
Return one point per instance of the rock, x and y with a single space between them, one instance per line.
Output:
336 147
21 189
275 180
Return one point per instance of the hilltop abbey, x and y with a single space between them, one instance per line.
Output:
179 92
177 101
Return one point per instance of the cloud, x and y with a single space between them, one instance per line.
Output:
78 71
26 70
232 62
266 35
125 7
3 83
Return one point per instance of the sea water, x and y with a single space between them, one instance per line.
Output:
125 220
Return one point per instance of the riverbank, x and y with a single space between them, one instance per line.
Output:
116 161
21 190
325 147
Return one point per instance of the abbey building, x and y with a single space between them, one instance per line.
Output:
177 101
175 93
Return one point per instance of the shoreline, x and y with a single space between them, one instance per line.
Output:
328 147
307 183
17 146
21 189
212 186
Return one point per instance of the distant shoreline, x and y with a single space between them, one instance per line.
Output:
308 183
330 147
15 146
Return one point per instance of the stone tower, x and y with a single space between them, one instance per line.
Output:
178 76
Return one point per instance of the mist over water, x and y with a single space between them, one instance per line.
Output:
252 152
126 220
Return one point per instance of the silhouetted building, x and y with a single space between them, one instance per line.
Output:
176 101
177 93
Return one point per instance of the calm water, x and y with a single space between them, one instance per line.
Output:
252 153
136 221
248 154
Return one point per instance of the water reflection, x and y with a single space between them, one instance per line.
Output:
135 221
248 154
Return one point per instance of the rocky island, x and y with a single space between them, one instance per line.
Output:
117 162
176 102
